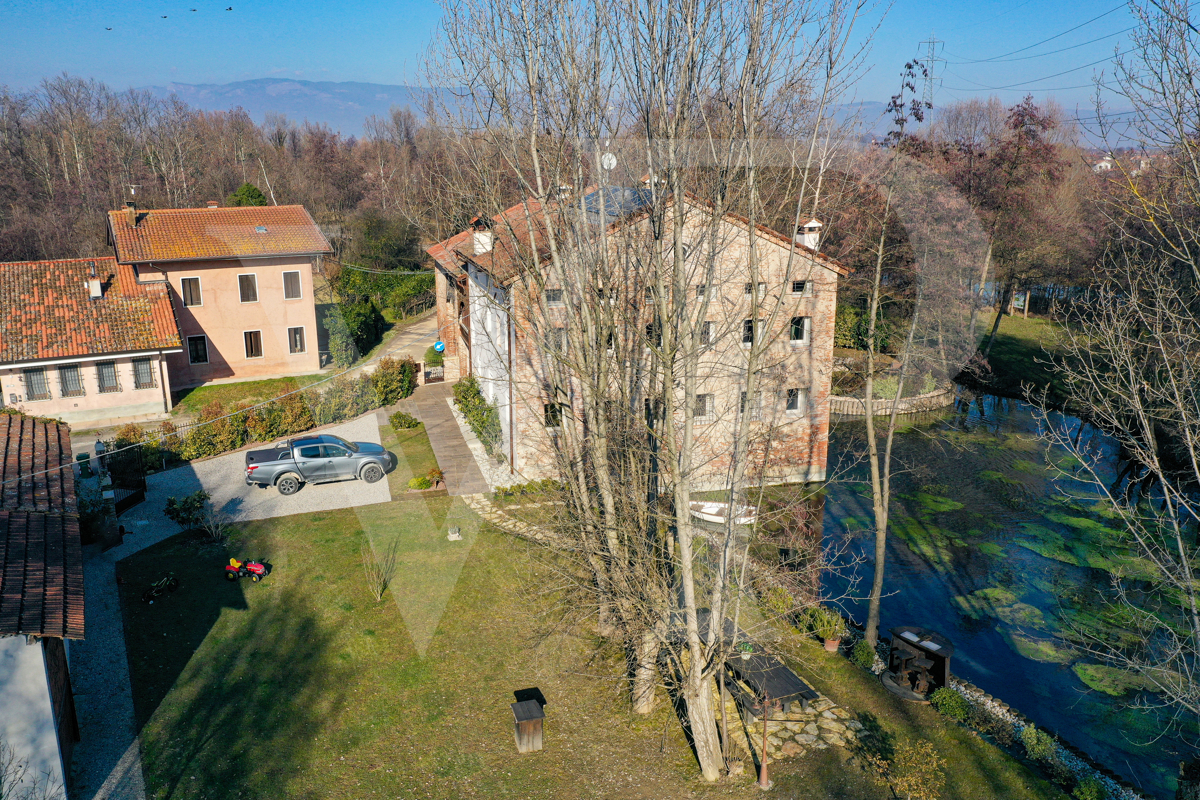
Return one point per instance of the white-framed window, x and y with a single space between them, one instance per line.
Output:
752 329
797 401
801 330
143 374
36 385
706 333
762 289
253 340
753 408
197 349
70 381
554 297
291 286
189 290
802 288
248 288
704 408
296 343
106 375
710 288
552 415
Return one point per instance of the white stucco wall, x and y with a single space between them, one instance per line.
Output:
26 716
490 331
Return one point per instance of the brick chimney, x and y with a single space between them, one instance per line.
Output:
810 235
213 204
131 215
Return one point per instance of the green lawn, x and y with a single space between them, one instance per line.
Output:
1018 358
413 453
190 401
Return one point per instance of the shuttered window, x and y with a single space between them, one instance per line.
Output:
197 349
253 344
248 288
291 286
296 340
70 381
189 289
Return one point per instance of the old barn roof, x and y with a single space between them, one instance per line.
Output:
46 311
41 559
202 234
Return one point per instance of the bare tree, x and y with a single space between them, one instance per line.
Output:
17 782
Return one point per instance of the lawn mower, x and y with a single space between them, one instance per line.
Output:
255 570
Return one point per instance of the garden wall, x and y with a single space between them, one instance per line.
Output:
856 406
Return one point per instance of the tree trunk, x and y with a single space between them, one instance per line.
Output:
983 272
645 674
1005 299
705 736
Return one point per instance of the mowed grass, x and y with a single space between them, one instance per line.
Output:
975 767
302 686
189 402
1022 353
414 456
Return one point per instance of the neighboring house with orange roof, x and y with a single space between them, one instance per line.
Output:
82 340
242 284
41 593
504 319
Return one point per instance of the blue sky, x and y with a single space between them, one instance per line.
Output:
383 42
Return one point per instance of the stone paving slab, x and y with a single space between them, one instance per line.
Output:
454 458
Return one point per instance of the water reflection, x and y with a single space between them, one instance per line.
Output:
990 546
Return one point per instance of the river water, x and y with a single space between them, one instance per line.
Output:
991 546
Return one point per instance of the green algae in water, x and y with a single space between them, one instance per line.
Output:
990 549
1046 651
1110 680
928 541
932 504
1029 467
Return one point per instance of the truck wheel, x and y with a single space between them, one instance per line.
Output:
372 472
288 484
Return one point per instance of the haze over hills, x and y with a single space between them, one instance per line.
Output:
343 106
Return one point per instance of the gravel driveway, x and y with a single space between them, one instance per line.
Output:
223 478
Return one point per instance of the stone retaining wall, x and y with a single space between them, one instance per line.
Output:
824 725
856 406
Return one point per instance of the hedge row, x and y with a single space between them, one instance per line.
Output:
481 415
223 429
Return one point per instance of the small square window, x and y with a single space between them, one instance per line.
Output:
751 408
197 349
296 340
554 297
800 329
552 413
189 290
803 288
248 288
706 333
253 341
797 401
649 294
106 372
70 381
143 374
748 331
36 385
291 286
704 407
762 289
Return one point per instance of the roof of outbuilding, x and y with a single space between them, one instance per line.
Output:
46 311
41 558
202 234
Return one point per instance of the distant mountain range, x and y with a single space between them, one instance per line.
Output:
342 106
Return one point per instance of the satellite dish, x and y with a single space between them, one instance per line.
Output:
608 161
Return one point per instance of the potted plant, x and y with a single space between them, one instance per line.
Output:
744 650
436 477
828 625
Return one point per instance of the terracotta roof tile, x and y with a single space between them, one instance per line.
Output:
41 558
195 234
46 311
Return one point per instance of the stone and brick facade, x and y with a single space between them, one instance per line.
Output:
499 325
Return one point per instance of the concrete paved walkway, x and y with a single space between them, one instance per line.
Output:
453 456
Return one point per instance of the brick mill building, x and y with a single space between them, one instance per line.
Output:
501 322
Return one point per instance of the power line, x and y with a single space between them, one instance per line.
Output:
357 268
1052 52
1039 80
1042 42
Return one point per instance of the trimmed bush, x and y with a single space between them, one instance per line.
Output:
951 703
420 482
129 433
483 417
863 654
394 379
402 421
1039 745
1090 788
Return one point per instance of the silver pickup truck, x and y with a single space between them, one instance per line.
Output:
315 459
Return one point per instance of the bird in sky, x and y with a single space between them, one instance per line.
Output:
164 16
108 29
229 9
